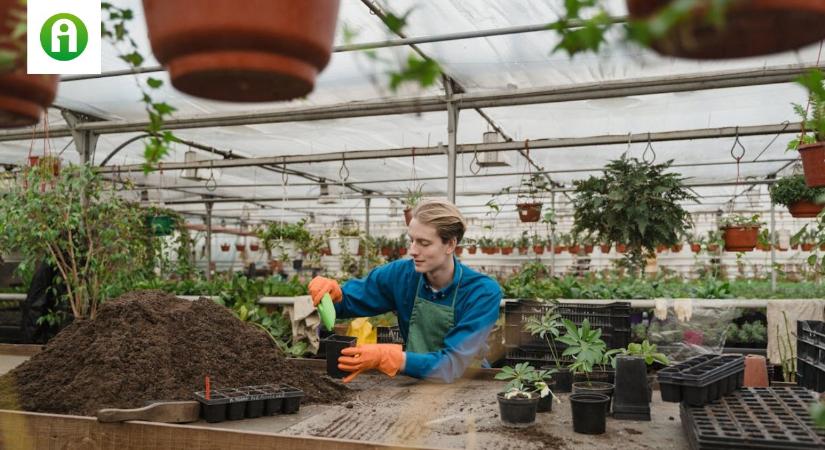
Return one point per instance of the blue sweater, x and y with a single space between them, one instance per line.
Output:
392 287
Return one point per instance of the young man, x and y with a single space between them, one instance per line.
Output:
445 309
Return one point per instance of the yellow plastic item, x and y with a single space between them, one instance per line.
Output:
363 330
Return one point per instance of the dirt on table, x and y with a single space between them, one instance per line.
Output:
150 345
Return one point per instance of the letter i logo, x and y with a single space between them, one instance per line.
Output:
64 37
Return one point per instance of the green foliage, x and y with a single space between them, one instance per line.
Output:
635 203
709 287
13 53
414 196
276 233
647 351
739 220
584 344
791 189
813 116
748 333
547 327
818 414
526 379
93 237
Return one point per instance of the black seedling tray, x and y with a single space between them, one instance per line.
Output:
702 379
249 402
613 319
754 418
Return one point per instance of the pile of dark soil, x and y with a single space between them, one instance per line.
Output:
149 345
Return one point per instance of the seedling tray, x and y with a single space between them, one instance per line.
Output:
754 418
613 319
249 402
702 379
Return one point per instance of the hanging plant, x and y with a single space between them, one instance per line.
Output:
24 97
801 200
811 147
634 203
413 198
740 232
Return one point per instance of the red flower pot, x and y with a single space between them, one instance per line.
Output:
538 249
408 216
756 371
676 248
529 212
740 239
506 250
559 249
751 28
813 163
695 248
523 250
472 249
489 250
807 247
224 247
254 247
621 248
573 249
402 251
240 247
805 209
605 248
588 249
256 51
459 251
660 248
763 247
386 251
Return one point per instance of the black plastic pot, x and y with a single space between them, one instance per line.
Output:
546 402
595 387
291 399
255 405
298 264
603 376
333 345
518 412
631 397
214 409
589 412
562 380
702 379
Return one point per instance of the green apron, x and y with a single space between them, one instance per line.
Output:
430 322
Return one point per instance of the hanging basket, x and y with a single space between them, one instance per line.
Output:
751 28
256 51
529 212
813 163
740 239
805 209
408 216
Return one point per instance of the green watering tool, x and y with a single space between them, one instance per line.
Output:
327 312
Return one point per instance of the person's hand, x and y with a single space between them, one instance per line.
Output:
320 286
388 358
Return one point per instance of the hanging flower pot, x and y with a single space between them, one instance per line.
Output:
529 212
621 248
751 28
676 248
813 163
402 251
224 247
23 97
262 50
740 239
588 249
408 216
807 246
240 247
559 249
805 209
661 248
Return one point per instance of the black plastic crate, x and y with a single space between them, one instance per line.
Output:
390 335
810 375
702 379
613 319
754 418
248 402
810 354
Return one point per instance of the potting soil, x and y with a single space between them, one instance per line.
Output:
150 345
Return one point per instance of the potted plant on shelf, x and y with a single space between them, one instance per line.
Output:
572 243
470 244
412 199
801 200
538 244
806 238
506 245
529 208
25 96
740 232
548 327
268 51
523 243
487 245
715 240
225 247
812 147
602 207
763 240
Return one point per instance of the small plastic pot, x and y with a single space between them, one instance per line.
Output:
563 379
631 399
333 346
545 403
595 387
291 400
518 412
589 412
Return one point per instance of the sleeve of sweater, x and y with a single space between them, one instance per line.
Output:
371 295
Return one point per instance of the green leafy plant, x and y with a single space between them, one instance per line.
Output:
525 379
635 203
94 239
14 52
585 345
647 351
787 351
813 116
792 189
740 221
547 327
413 197
710 287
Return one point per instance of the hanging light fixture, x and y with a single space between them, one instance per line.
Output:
491 159
324 198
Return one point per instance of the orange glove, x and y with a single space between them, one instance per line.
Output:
320 286
387 358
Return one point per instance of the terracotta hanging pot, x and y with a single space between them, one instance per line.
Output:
805 209
621 248
813 163
250 51
23 98
806 247
740 239
224 247
529 212
751 28
408 216
559 249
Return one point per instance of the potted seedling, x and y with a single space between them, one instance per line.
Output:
801 200
518 406
538 244
470 244
412 200
812 147
586 346
740 232
715 239
345 241
526 389
548 327
633 388
225 247
523 243
506 245
488 245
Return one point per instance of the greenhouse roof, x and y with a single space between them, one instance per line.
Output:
569 115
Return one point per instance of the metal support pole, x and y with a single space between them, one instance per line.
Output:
85 141
208 241
367 228
452 127
773 246
553 234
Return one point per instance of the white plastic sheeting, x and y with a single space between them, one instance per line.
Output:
517 61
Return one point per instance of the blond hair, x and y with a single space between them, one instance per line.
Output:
444 216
